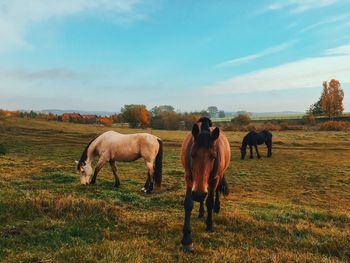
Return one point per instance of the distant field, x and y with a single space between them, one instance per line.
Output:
274 117
293 207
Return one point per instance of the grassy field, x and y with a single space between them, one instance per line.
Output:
292 207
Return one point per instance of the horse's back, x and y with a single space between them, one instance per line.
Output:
127 147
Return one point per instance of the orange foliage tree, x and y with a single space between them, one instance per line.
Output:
105 121
332 98
136 115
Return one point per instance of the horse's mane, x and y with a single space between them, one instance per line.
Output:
84 154
204 138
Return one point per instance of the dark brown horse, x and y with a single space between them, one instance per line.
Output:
205 156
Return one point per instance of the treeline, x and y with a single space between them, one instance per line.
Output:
133 115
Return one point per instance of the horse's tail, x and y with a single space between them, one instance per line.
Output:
223 187
158 167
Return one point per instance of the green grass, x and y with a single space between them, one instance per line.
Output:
292 207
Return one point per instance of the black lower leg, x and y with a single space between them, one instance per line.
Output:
188 205
257 151
201 210
217 202
210 204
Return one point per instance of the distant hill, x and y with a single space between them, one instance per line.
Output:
60 112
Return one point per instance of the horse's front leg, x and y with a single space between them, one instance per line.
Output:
251 151
217 201
187 244
201 209
257 151
114 170
101 162
210 205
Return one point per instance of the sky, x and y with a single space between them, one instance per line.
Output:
257 55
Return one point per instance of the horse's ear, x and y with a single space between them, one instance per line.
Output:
215 134
195 131
76 162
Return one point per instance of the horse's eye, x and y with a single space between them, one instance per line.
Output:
193 155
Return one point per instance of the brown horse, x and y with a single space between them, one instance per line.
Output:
205 156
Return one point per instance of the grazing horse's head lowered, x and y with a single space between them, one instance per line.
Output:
203 154
85 171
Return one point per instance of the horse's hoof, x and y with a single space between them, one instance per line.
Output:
200 216
188 248
116 185
144 190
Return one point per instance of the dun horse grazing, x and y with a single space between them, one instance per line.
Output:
205 156
254 139
112 146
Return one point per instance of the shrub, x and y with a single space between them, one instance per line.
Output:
3 149
271 126
310 119
241 119
291 127
335 126
249 127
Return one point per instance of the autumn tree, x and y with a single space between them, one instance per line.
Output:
241 119
136 115
316 108
332 98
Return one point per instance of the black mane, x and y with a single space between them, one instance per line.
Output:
84 154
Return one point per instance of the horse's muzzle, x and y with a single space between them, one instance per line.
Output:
199 196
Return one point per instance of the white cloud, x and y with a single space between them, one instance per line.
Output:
325 22
26 74
16 16
305 73
299 6
342 50
246 59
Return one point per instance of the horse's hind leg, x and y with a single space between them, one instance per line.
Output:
101 162
269 149
114 170
201 209
257 151
149 182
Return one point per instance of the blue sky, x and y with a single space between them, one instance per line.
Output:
238 55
